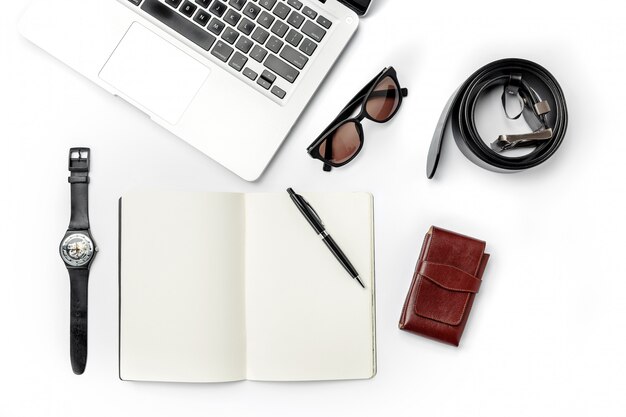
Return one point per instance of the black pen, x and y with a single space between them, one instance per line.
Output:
314 220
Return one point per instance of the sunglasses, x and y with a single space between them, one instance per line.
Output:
343 139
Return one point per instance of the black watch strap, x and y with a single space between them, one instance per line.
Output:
79 280
78 166
79 180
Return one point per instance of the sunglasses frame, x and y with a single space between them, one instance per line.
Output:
343 118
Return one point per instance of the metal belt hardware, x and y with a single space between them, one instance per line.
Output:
505 142
543 107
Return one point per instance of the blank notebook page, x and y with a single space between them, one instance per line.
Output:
306 318
181 287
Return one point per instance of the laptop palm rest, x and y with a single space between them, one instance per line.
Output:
154 74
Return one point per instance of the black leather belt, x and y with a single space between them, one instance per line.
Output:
542 105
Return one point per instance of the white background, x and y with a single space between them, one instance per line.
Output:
546 336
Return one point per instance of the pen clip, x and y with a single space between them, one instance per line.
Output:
312 211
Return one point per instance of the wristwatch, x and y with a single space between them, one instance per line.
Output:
78 251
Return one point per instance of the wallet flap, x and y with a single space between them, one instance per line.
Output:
435 302
449 277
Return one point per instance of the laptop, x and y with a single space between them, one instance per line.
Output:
230 77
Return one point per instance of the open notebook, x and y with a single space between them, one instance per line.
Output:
221 287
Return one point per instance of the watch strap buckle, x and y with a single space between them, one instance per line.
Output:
78 160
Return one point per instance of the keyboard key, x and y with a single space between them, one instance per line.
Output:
312 14
278 92
252 10
216 26
173 3
260 35
265 20
232 17
294 37
314 31
308 46
230 35
269 76
188 8
202 18
244 44
174 20
203 3
250 74
264 83
258 53
135 2
282 10
295 4
218 8
238 61
295 19
294 57
280 28
281 68
222 51
237 4
268 4
274 44
246 26
324 22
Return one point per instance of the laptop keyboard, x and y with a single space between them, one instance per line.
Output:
270 42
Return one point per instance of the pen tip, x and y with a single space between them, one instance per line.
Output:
360 282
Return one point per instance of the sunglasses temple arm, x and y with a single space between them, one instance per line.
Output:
328 154
353 104
361 94
359 97
345 113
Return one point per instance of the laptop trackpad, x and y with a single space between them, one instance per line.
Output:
154 73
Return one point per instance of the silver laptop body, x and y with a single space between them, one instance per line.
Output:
230 77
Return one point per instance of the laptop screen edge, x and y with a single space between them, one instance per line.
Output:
360 7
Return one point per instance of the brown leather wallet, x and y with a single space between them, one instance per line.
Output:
447 277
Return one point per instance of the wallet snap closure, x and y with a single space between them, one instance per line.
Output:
444 292
450 278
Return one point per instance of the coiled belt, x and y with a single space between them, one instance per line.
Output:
542 105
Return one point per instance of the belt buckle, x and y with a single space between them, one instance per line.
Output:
505 142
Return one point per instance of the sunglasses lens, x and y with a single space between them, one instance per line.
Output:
342 144
384 100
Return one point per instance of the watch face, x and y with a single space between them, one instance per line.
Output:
77 250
